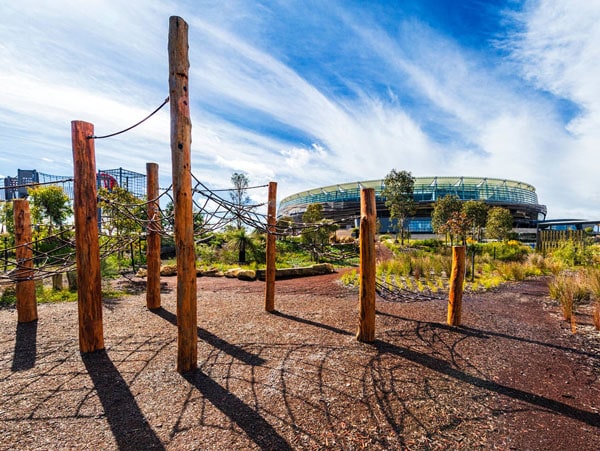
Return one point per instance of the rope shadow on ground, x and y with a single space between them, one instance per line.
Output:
444 367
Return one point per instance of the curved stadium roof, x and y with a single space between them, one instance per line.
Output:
344 199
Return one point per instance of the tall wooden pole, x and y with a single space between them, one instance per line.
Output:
152 238
181 139
25 290
270 271
89 287
457 277
366 300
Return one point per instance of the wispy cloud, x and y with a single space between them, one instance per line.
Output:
311 94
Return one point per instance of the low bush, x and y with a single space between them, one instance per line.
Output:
569 289
350 279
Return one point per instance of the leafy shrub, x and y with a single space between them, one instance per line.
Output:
399 266
432 245
570 253
9 297
569 289
510 251
350 279
512 271
207 255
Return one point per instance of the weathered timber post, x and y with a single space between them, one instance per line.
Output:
25 290
366 300
152 238
181 139
57 282
270 270
85 203
457 277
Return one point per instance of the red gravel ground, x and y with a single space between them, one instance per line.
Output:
512 377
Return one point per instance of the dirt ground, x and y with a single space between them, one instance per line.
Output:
512 377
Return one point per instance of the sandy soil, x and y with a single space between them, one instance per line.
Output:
512 377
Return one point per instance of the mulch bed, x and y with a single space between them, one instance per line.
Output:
512 377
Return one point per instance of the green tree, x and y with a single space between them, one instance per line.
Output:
7 218
239 195
398 191
50 205
442 212
122 212
283 226
242 241
457 225
476 212
499 223
316 230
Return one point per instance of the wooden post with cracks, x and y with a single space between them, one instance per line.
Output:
153 230
457 277
270 270
181 139
89 287
25 289
366 300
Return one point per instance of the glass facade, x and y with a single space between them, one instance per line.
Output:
344 199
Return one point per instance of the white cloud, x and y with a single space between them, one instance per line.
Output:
105 62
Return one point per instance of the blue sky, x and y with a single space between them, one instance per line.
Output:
312 93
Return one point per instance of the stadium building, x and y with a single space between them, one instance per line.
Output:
341 203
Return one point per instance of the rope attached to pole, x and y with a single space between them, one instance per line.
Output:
133 126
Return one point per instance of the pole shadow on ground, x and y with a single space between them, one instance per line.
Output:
25 346
255 426
234 351
127 422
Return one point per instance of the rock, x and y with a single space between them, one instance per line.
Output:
247 274
168 270
211 272
306 271
232 273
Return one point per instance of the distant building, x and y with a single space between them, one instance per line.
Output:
16 187
342 202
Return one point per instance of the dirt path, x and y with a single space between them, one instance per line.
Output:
513 377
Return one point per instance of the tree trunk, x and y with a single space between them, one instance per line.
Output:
57 282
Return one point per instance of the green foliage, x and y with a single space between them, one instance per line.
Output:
114 204
241 241
313 214
570 253
285 226
457 225
110 267
50 205
207 254
476 212
9 296
398 191
7 221
240 182
442 212
43 294
350 279
431 245
506 251
569 289
499 223
48 295
319 230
